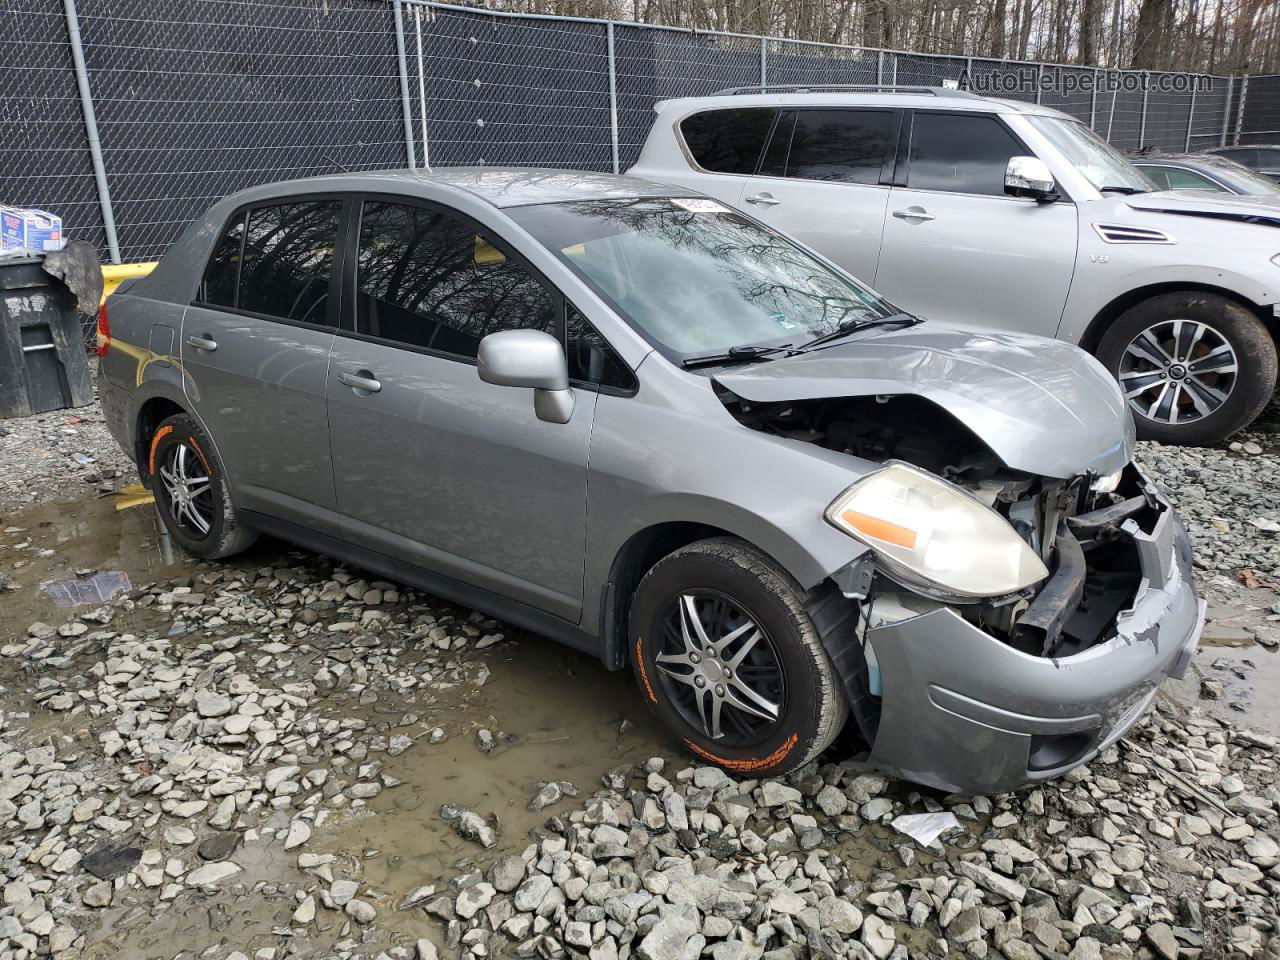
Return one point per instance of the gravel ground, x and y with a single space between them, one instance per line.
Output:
59 455
236 760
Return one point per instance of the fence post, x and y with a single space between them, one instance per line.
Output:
1093 102
1191 119
1039 82
764 63
1142 123
1226 112
613 98
1244 93
91 131
880 69
422 87
405 109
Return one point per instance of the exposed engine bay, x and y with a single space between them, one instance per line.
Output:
1077 526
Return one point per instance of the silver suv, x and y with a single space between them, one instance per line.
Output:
651 427
998 214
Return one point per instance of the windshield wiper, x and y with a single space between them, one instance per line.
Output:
739 354
854 325
1127 191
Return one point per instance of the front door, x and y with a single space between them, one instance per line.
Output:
432 465
255 353
957 249
820 181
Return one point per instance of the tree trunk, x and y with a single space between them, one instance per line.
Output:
1150 43
1090 21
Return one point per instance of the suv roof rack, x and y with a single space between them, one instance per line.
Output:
845 87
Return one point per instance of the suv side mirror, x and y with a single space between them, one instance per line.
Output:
529 358
1029 177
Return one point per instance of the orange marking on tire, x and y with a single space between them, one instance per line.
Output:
200 453
155 442
644 674
749 765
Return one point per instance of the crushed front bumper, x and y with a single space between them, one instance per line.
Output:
962 711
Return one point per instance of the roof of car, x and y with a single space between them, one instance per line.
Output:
918 97
1190 159
499 186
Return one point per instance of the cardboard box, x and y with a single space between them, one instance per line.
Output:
23 227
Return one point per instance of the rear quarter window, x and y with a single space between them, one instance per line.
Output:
727 141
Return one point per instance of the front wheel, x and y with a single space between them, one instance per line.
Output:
729 660
1194 367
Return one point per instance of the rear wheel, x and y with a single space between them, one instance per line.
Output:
1194 367
728 658
191 491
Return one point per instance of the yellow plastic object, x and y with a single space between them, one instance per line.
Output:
486 253
113 273
133 495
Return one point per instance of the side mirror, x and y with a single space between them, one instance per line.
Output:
529 358
1029 177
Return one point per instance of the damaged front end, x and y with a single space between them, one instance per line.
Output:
975 687
986 696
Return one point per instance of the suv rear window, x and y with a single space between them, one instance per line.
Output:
848 146
727 141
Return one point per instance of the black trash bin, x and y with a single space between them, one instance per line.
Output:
43 364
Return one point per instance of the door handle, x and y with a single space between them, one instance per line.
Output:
202 343
914 213
763 200
362 381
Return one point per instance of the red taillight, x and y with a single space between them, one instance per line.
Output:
104 331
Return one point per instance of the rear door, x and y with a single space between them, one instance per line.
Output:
957 248
255 354
434 466
824 179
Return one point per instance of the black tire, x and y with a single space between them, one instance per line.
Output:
731 576
180 439
1247 391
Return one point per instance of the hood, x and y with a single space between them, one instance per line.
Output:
1206 203
1043 406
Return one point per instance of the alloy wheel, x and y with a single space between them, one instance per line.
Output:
1178 371
188 489
720 669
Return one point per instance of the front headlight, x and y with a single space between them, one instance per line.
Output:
920 525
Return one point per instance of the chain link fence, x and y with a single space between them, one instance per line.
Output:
194 99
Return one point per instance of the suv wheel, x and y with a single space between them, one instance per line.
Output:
1194 367
729 660
191 491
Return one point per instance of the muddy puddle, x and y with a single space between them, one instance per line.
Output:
556 715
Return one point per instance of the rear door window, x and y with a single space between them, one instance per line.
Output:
430 280
727 141
960 153
287 264
848 146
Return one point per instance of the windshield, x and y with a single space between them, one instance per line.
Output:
1097 161
696 277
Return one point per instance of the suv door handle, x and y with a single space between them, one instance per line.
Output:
202 343
362 382
914 213
764 200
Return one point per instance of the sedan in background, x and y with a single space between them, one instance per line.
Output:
1261 157
1205 171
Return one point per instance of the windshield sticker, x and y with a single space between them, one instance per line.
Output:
781 320
699 205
